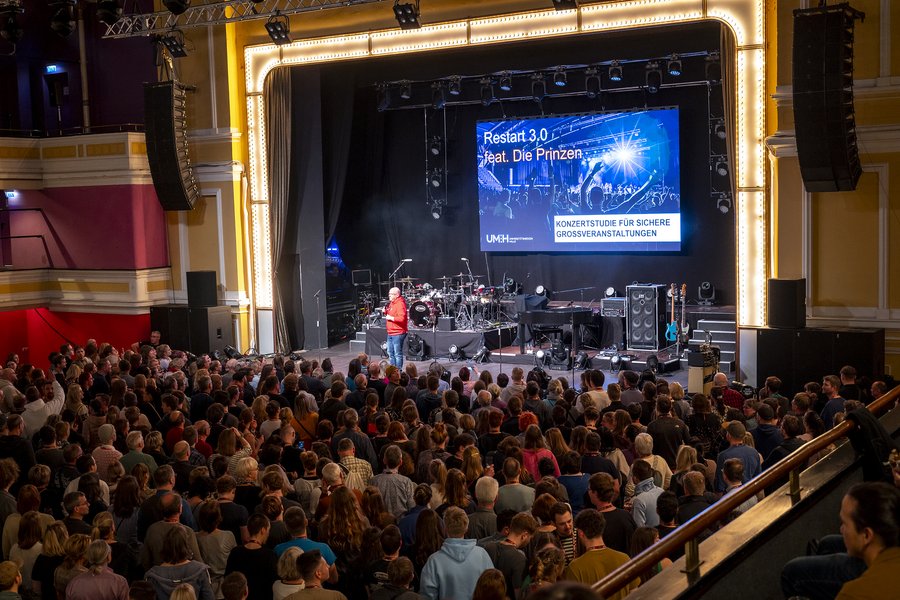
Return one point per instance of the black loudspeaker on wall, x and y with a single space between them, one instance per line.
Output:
193 328
786 303
167 147
201 288
646 320
824 119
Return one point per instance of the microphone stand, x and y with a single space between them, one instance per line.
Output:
391 276
318 327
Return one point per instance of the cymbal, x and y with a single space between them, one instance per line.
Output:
408 279
446 278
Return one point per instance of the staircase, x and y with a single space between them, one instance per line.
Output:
723 335
358 343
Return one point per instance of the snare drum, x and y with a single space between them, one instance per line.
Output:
424 313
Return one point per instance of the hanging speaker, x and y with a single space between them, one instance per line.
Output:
167 147
646 321
824 119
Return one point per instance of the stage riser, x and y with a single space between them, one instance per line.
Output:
468 341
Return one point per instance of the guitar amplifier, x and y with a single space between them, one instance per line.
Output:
612 307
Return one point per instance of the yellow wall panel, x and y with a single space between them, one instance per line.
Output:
59 152
867 40
788 207
203 235
845 246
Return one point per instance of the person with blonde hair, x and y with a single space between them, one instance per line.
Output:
290 579
183 592
545 569
51 556
74 549
99 582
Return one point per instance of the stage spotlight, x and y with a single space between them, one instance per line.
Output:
559 77
713 68
541 359
384 351
405 90
591 83
384 97
231 352
174 43
63 20
437 208
610 292
9 29
615 363
109 11
722 168
723 203
176 7
706 294
456 353
437 177
407 15
506 82
720 131
435 146
454 86
483 355
438 95
582 361
674 66
653 77
279 29
565 4
538 87
487 92
615 71
416 347
653 363
542 290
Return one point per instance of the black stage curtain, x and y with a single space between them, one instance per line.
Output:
377 193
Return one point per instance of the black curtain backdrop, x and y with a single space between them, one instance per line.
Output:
374 166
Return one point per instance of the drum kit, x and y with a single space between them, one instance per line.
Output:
463 297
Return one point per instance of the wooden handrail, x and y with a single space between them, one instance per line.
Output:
687 532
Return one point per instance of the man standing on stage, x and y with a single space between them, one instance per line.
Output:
396 316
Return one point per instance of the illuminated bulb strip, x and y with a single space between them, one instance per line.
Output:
750 118
262 257
616 15
746 19
429 37
522 26
752 269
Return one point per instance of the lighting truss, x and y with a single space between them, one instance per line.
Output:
212 13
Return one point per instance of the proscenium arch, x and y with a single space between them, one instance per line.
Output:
744 18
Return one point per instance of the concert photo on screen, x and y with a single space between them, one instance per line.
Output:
604 182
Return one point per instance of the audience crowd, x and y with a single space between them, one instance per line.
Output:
154 474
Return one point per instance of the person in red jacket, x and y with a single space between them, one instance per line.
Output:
396 316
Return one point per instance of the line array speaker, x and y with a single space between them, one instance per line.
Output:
167 148
824 118
646 321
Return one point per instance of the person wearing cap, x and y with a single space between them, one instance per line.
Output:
105 454
734 434
10 580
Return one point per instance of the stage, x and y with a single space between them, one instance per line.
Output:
436 344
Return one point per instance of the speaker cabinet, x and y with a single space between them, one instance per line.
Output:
196 329
646 321
201 288
167 147
824 118
786 303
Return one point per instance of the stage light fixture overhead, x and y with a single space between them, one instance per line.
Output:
720 131
559 77
436 146
437 177
63 20
538 87
615 71
279 29
487 92
176 7
384 97
591 83
673 66
506 82
407 15
109 11
405 90
174 43
437 209
565 4
723 203
454 86
653 77
713 68
438 95
722 168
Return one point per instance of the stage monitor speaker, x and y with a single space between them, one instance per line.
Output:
167 145
201 288
646 321
786 303
824 118
446 324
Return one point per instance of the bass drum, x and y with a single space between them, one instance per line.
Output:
424 313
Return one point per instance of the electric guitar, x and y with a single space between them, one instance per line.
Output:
672 327
685 326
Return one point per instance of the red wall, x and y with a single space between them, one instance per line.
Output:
36 332
99 227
